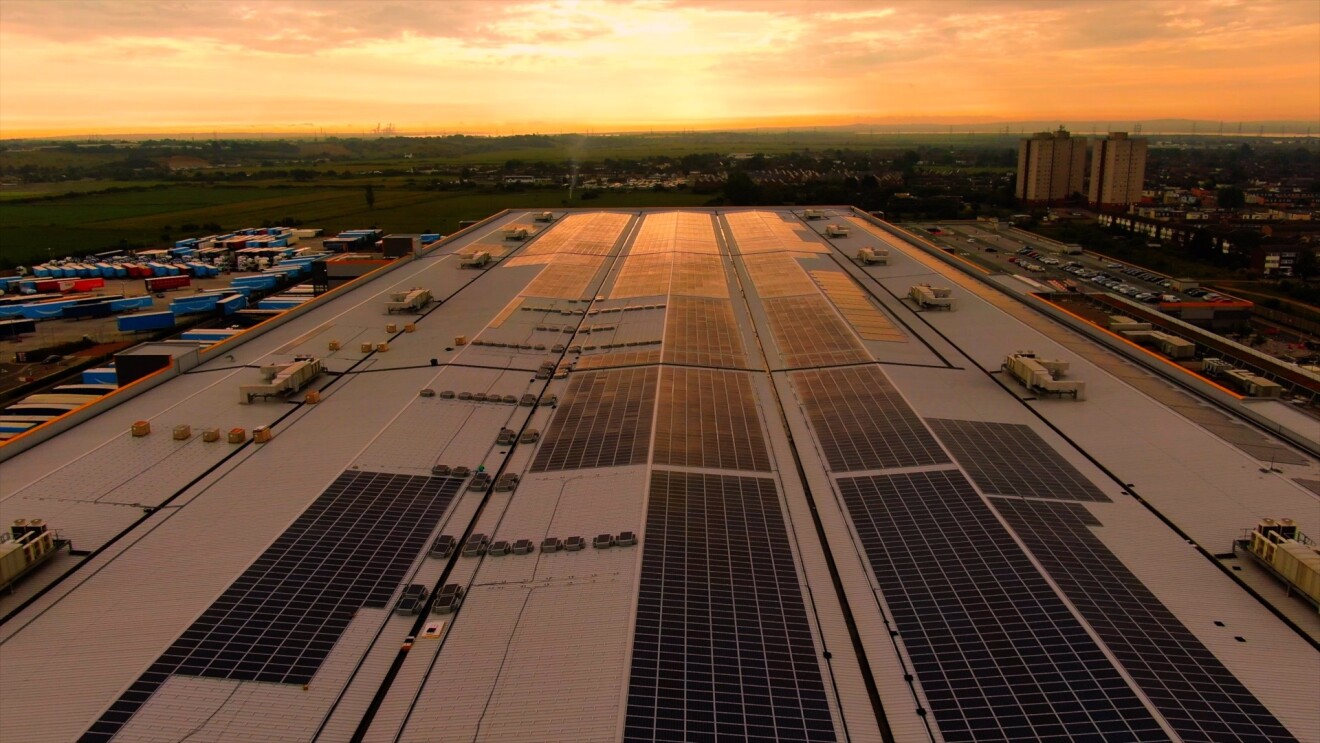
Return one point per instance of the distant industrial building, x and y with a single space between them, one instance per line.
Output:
1118 170
1051 166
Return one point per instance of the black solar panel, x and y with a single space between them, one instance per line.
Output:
862 422
808 332
280 619
723 649
1010 459
708 418
1200 698
702 332
997 652
604 421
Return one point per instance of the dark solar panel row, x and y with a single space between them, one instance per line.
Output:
603 421
280 619
862 422
702 332
997 652
612 359
808 332
1200 698
1011 459
708 418
722 649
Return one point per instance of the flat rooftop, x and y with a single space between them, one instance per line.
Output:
676 475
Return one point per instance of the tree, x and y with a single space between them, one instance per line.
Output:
371 198
1231 197
1306 265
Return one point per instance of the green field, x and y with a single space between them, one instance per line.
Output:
32 231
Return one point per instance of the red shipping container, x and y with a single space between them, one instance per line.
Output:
82 285
162 283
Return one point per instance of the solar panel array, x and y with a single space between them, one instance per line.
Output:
279 620
760 231
1200 698
702 332
612 359
862 422
644 275
856 307
708 418
807 332
591 234
1011 459
779 275
682 232
603 421
699 275
722 648
997 652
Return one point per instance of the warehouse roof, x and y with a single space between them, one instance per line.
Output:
661 475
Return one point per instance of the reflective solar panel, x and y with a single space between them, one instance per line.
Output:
279 620
861 420
722 648
808 332
997 652
603 421
708 418
1200 698
702 332
1011 459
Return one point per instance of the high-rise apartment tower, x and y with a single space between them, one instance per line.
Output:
1118 170
1050 167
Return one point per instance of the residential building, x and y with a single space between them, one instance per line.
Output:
1118 170
1051 166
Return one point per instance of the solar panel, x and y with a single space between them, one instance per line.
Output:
722 648
617 358
279 620
708 418
807 332
604 421
702 332
1200 698
998 654
1011 459
862 422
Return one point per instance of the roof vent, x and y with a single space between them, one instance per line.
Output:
549 398
573 544
440 470
523 547
500 547
465 395
626 539
507 436
443 546
479 397
508 481
414 595
530 436
551 544
476 545
447 394
509 400
528 400
460 471
479 481
603 541
448 600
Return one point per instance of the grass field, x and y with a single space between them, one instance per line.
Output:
31 232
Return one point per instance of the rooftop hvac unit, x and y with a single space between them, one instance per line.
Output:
603 541
551 544
476 260
440 470
427 392
507 482
868 256
479 481
626 539
836 230
282 379
545 217
506 437
573 544
1042 375
523 547
446 394
412 300
549 399
509 400
813 214
460 471
475 545
530 436
499 548
931 297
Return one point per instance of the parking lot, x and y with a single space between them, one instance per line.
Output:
1011 250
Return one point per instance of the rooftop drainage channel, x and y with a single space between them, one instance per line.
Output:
359 734
863 663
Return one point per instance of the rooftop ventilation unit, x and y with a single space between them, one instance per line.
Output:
1042 376
528 400
836 230
931 297
549 399
479 481
412 300
545 217
626 539
282 379
499 548
573 544
476 545
530 436
460 471
446 394
506 437
507 482
523 547
448 600
516 233
603 541
443 546
551 544
476 260
440 470
813 214
869 256
414 596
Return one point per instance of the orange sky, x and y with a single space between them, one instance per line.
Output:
485 66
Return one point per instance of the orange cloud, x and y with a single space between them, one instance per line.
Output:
462 65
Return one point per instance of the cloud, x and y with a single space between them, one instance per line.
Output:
109 63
